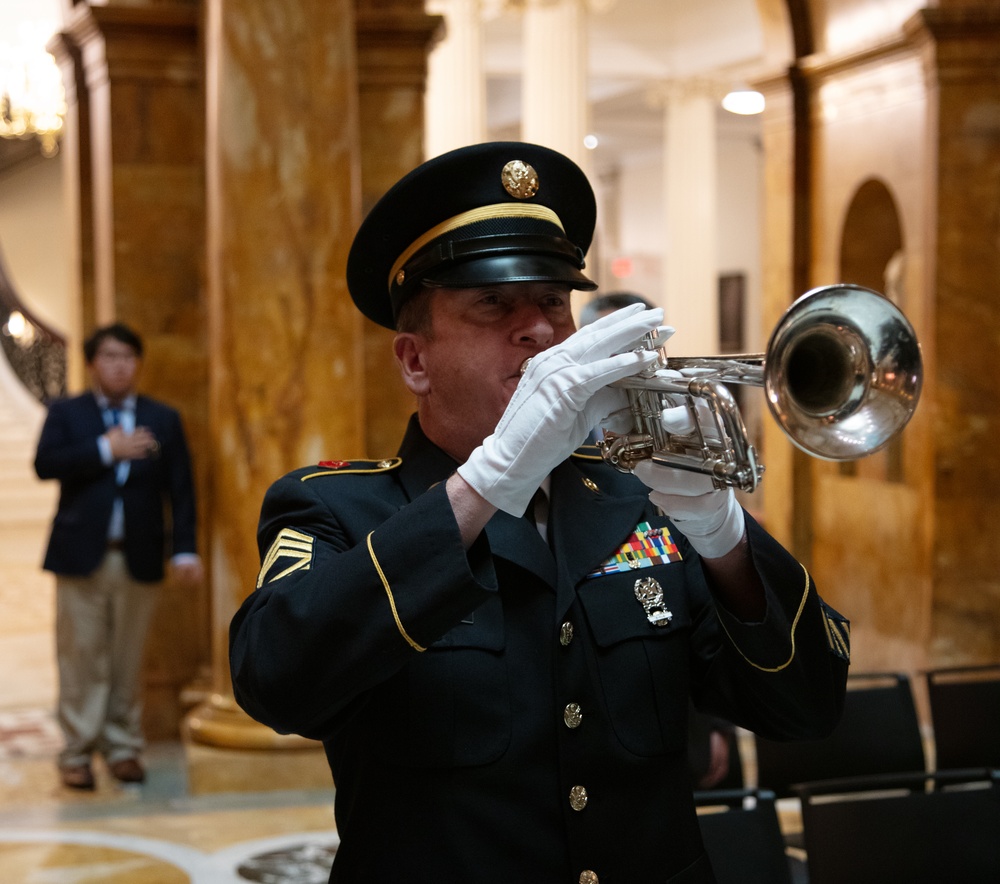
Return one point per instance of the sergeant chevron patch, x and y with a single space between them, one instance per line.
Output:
288 544
838 634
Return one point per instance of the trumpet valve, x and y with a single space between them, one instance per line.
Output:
624 450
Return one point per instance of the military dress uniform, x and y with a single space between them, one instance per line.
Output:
517 712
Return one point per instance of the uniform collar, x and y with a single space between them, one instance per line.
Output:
511 538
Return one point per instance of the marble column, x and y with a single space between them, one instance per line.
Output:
456 87
690 262
286 381
394 38
554 107
959 45
784 512
133 73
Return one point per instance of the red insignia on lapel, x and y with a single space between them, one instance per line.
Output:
334 464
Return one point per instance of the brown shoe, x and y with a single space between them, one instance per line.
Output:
79 776
128 770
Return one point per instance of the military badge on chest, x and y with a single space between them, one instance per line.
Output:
644 548
650 595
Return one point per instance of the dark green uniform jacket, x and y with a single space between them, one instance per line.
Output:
514 712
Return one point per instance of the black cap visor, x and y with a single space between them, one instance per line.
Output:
494 261
499 269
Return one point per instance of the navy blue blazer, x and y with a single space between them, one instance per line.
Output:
67 451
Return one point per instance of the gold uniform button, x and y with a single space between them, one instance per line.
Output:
589 877
572 715
566 634
578 798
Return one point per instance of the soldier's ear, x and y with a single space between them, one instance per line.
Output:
409 352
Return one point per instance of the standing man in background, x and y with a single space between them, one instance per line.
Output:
119 457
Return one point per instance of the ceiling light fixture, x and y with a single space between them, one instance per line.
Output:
744 101
32 102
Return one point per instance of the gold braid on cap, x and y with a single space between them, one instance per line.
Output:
483 213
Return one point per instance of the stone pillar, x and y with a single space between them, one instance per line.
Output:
960 48
554 106
394 39
133 72
784 515
690 264
456 88
74 145
286 380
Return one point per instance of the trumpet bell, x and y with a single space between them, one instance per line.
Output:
843 372
841 376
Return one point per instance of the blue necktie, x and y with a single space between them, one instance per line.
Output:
116 529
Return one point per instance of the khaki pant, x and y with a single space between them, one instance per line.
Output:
101 625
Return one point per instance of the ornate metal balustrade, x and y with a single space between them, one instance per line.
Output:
36 352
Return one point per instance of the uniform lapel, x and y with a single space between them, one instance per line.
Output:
518 541
587 524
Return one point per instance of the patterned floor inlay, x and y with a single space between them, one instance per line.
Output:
28 733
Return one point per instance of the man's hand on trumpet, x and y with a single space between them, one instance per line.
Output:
563 393
711 518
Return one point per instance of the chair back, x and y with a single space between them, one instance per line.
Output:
878 733
742 836
965 715
912 829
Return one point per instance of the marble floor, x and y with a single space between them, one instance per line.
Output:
160 832
200 817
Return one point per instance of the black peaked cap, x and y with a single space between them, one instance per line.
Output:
504 211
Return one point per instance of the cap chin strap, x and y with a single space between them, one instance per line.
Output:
463 219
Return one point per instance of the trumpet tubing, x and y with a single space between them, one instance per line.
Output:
842 375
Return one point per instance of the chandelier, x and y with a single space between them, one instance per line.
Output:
32 102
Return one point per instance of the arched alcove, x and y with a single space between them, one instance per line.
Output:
871 236
872 255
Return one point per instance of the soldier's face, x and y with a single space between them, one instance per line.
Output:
470 361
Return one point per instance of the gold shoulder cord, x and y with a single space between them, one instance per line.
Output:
392 601
795 623
382 466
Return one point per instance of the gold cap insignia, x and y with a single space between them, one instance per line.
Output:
519 179
650 594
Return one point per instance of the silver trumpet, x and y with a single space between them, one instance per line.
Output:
841 374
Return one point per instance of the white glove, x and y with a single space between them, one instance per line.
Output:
620 419
562 395
711 519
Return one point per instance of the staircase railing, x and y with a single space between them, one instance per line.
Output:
36 352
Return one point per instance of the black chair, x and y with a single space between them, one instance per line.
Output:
878 733
965 715
912 829
742 836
